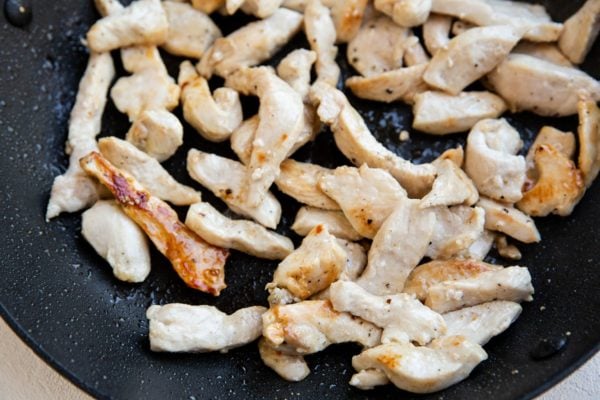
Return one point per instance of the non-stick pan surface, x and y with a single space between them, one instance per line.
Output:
62 299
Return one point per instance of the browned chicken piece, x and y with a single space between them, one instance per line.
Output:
200 265
347 17
208 6
589 140
580 32
563 142
503 217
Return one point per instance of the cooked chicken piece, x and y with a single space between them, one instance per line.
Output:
459 27
295 70
280 124
241 139
506 250
414 52
402 84
428 369
147 171
290 367
378 47
312 267
106 7
470 56
435 272
456 155
138 58
301 182
580 32
347 17
157 133
374 195
403 318
505 218
406 13
451 187
200 265
258 8
250 45
553 90
335 222
144 22
296 5
200 329
214 117
245 236
225 178
356 260
545 51
355 141
368 379
558 188
311 326
588 133
479 324
480 247
118 240
457 228
320 32
440 113
492 162
563 142
208 6
74 190
533 19
511 284
398 247
436 32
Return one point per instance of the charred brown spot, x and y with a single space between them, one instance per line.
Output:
389 361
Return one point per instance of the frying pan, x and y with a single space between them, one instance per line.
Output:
63 301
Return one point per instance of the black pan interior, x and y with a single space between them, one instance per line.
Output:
62 300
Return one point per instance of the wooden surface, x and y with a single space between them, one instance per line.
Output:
24 376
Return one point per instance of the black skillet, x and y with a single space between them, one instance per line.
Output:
63 301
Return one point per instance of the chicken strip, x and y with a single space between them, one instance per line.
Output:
402 318
295 70
510 284
178 328
563 142
505 218
290 367
200 265
544 88
250 45
441 114
144 22
434 272
208 6
480 323
491 160
74 190
580 32
480 247
258 8
545 51
347 16
157 133
320 32
147 171
118 240
335 222
402 84
588 133
214 116
428 369
451 187
311 326
241 139
470 56
245 236
281 116
457 228
225 178
436 32
355 141
406 13
301 182
398 247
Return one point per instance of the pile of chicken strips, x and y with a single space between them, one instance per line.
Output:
392 255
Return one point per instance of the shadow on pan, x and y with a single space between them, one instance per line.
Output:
61 298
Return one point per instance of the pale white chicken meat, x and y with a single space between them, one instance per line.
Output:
250 45
491 160
200 329
398 247
505 218
480 247
457 228
480 323
118 240
147 171
144 22
321 35
335 221
295 69
451 187
529 83
406 13
510 284
157 133
245 236
441 114
580 32
301 182
545 51
374 195
403 318
588 134
214 116
436 32
258 8
242 137
355 141
469 56
207 6
368 379
290 367
414 52
421 369
226 178
563 142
